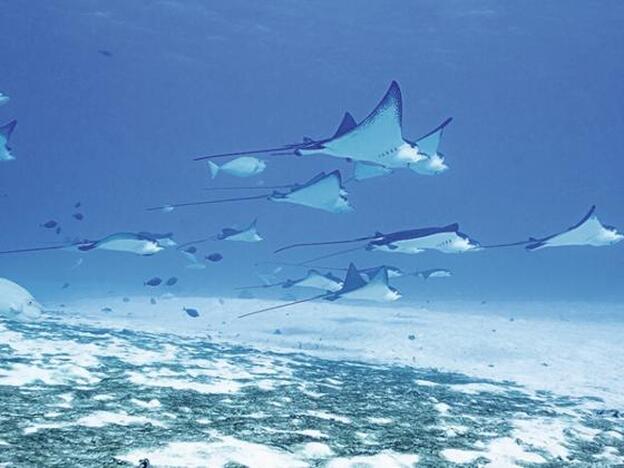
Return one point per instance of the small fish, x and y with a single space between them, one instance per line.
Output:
245 166
105 52
126 299
78 216
171 281
166 209
107 309
50 224
153 282
191 312
58 231
153 301
215 257
65 286
77 205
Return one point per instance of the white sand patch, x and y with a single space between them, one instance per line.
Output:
380 421
103 418
610 455
314 433
544 434
103 397
614 435
549 346
425 383
460 456
311 393
315 450
152 404
476 388
26 374
66 400
384 459
505 453
442 408
37 427
584 432
329 416
156 379
218 453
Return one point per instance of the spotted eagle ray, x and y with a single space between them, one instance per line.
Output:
447 239
377 140
355 286
5 135
139 244
324 192
588 231
313 279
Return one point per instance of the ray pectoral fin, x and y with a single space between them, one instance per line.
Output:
585 218
429 143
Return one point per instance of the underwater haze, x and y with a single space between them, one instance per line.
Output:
501 356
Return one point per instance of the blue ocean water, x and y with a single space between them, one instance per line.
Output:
115 98
535 91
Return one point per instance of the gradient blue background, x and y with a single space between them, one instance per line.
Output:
536 89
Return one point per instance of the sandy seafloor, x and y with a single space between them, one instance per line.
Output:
449 384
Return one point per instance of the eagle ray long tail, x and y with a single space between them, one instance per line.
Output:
277 150
312 244
282 306
250 187
208 202
335 254
301 265
261 286
510 244
35 249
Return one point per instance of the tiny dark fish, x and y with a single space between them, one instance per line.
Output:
191 250
78 216
65 286
107 309
105 53
50 224
215 257
153 282
77 205
58 230
153 301
171 281
126 299
191 312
